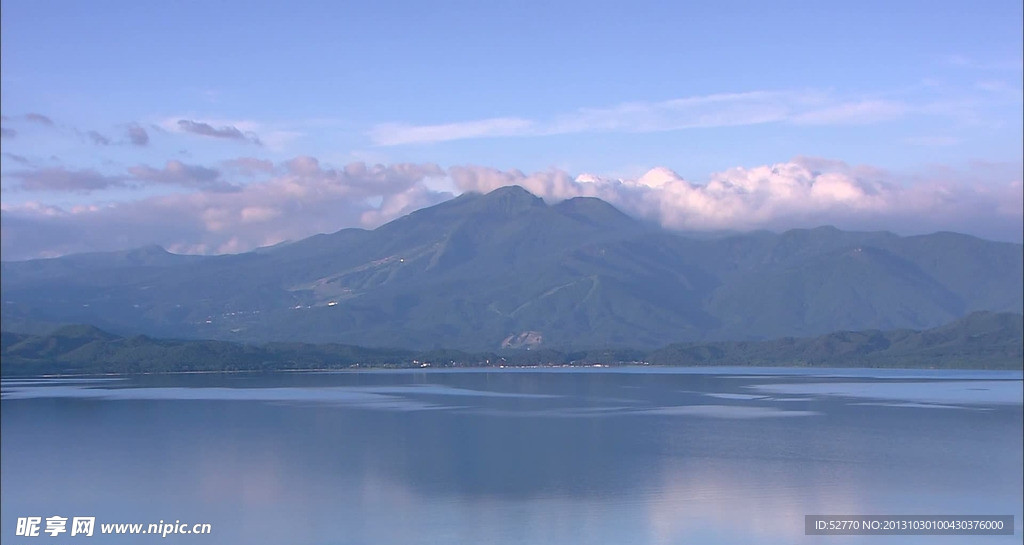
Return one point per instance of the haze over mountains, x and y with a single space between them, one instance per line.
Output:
505 269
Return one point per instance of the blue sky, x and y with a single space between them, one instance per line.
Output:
162 115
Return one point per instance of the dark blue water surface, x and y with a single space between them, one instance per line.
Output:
591 456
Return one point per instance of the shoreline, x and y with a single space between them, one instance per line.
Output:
836 371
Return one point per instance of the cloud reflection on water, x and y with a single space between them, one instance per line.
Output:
400 397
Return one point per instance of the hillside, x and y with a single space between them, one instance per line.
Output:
506 269
982 340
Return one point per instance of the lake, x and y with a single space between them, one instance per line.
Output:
527 456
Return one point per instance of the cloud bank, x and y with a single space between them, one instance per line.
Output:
178 173
253 202
302 200
62 179
803 192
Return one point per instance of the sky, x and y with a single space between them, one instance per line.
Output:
219 127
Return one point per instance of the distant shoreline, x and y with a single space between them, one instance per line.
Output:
982 340
686 369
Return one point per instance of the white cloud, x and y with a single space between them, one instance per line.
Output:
718 110
853 113
253 214
392 134
302 197
304 200
803 192
706 111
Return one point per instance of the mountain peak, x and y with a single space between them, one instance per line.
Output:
510 199
147 251
511 192
153 254
82 331
594 211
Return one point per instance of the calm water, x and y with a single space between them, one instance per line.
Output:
595 456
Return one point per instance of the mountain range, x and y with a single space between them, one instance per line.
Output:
981 340
507 270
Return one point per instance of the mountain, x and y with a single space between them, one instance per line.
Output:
982 340
480 272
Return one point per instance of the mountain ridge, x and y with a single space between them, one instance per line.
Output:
476 270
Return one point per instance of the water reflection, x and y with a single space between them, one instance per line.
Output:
504 458
939 391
